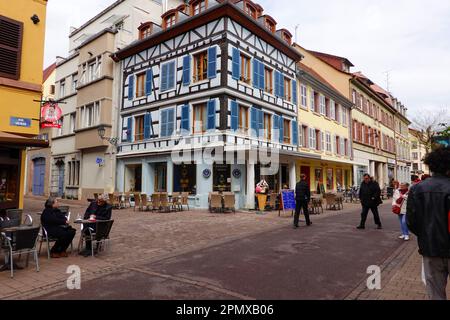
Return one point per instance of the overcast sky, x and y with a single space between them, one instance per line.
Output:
410 39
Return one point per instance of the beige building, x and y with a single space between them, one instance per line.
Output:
38 159
418 152
88 83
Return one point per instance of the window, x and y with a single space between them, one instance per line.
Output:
415 166
318 138
344 116
268 80
250 11
90 115
185 178
168 76
267 126
91 71
200 66
74 173
414 145
74 82
140 85
11 33
302 136
170 20
243 118
52 89
316 102
145 32
269 26
332 109
323 141
286 131
139 128
312 104
312 138
304 97
200 118
322 104
62 88
328 137
60 132
198 7
354 96
338 145
287 89
415 156
342 146
245 69
72 123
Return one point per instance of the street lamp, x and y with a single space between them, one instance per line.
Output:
101 133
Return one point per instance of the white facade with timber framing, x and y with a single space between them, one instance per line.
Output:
215 74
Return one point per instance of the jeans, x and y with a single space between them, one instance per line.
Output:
436 275
403 225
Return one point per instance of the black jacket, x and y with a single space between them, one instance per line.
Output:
427 216
369 194
101 212
302 191
52 219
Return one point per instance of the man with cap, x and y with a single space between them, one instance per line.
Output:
99 210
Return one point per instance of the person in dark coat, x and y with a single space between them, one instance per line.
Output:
99 210
428 217
57 226
370 196
302 198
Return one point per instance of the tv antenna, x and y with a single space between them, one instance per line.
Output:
388 80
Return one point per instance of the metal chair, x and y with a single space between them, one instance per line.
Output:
44 237
21 241
14 214
99 235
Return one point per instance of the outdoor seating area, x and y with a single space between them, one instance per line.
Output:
158 201
222 202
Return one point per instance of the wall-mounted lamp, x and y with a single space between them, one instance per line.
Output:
35 19
90 53
101 133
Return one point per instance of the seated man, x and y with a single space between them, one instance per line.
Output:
100 210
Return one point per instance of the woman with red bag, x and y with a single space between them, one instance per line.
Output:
399 204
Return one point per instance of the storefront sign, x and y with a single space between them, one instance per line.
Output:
237 173
206 173
20 122
50 115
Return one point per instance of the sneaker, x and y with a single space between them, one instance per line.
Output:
406 238
402 237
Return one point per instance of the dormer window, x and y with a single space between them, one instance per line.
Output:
269 23
251 11
270 26
198 6
145 30
170 20
286 36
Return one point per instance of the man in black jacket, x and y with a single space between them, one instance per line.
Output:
369 194
100 210
427 216
302 198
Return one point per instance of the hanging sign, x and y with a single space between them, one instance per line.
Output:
50 115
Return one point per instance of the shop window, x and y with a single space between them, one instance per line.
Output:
330 184
200 66
9 185
185 178
221 177
161 177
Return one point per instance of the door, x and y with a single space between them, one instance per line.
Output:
307 172
60 180
38 176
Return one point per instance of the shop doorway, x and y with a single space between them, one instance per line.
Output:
307 172
273 181
38 176
160 177
133 178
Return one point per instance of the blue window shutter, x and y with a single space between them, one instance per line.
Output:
236 62
131 87
130 129
276 126
186 70
185 119
294 133
163 123
260 123
148 82
211 123
234 116
281 85
255 73
163 75
281 129
277 84
294 92
171 76
254 121
147 124
212 62
170 121
261 75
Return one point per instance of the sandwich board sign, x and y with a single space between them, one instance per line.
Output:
287 201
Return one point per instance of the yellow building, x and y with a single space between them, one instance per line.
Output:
22 35
418 153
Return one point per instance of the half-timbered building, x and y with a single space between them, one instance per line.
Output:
215 74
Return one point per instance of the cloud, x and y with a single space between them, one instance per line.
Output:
408 38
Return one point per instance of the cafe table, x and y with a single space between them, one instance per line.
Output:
7 266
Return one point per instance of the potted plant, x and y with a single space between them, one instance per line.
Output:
261 193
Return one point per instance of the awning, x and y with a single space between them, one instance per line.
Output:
10 139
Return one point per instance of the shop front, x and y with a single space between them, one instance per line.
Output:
12 168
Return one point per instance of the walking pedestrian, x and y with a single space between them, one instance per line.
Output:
302 198
370 196
427 216
399 203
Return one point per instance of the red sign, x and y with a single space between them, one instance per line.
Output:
50 115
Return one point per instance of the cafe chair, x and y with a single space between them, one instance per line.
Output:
164 201
229 201
64 209
176 201
14 214
331 203
215 203
185 200
99 235
44 237
144 202
25 241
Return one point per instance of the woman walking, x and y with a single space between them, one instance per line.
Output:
399 204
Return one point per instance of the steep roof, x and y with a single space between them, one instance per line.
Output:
48 71
334 61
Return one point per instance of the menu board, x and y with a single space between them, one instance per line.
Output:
288 200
